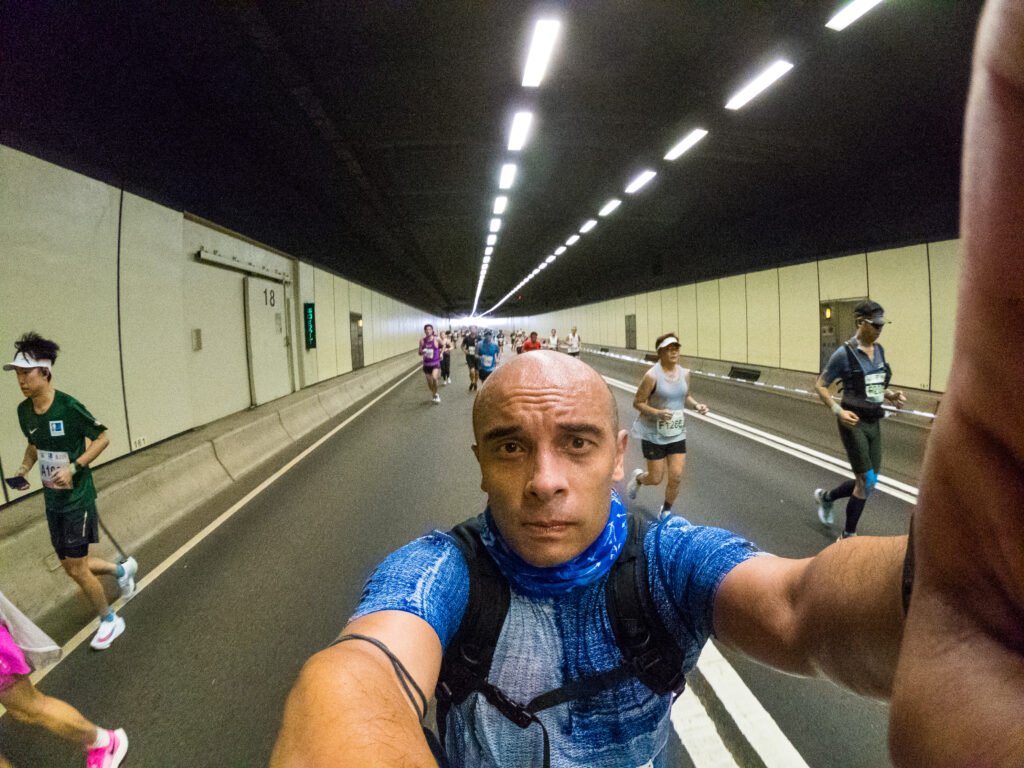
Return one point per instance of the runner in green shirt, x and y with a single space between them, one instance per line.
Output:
65 438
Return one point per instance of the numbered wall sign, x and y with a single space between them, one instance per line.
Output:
309 323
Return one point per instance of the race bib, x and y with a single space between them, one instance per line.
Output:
470 350
672 427
50 462
487 360
874 387
428 353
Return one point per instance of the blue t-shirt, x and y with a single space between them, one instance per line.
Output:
547 642
487 355
839 364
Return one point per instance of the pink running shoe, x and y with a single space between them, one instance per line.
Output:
111 755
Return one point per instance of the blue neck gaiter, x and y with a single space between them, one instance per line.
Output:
584 569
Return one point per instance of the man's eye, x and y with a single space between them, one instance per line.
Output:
578 443
509 447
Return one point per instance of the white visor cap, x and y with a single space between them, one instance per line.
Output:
669 342
21 360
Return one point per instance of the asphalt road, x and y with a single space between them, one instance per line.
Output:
212 647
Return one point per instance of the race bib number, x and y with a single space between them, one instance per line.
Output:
428 353
672 427
487 360
874 387
50 462
470 350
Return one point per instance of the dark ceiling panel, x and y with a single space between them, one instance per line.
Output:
367 137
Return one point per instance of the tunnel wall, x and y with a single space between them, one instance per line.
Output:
154 339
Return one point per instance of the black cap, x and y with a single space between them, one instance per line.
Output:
869 310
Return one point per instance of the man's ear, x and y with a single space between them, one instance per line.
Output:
621 440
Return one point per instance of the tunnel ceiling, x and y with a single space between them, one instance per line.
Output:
367 137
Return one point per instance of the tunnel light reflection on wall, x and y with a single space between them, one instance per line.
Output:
758 84
850 14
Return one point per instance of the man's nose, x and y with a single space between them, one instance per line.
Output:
550 475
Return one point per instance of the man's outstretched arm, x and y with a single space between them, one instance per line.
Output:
348 708
837 615
959 697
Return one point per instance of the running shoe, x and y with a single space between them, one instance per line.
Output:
633 485
437 399
846 535
111 755
108 632
824 506
127 582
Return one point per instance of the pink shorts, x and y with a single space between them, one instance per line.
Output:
12 661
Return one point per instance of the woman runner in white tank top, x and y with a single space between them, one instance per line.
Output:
663 394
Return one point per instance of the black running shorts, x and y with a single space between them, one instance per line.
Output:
655 452
73 531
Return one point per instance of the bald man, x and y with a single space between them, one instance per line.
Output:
550 450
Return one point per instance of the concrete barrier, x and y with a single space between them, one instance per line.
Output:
145 493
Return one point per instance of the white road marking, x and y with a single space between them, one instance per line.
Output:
191 544
703 744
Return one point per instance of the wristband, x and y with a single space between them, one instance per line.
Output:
837 408
73 466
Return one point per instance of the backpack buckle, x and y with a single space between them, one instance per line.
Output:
512 710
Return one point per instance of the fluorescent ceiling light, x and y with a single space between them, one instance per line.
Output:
691 138
495 225
535 273
492 239
549 259
610 206
589 225
545 33
759 83
487 258
500 204
520 127
640 181
559 250
487 252
508 175
572 240
542 265
850 14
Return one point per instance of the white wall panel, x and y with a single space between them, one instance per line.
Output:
732 293
342 329
763 318
898 280
327 326
800 336
843 278
655 326
645 335
709 331
688 329
155 337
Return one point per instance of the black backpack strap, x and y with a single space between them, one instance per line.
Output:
650 651
467 660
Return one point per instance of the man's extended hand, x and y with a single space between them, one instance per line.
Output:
959 690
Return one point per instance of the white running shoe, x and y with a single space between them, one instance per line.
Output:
437 399
824 506
127 582
111 755
108 632
633 486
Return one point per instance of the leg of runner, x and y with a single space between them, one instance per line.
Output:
676 467
78 568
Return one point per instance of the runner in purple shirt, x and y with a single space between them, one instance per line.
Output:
430 352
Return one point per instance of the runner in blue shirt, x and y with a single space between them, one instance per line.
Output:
487 355
550 449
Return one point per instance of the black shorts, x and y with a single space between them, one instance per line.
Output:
654 451
429 369
72 532
863 444
471 361
484 374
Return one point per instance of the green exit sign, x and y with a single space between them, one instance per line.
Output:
309 318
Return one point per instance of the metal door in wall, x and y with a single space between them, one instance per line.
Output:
266 339
630 331
355 325
837 326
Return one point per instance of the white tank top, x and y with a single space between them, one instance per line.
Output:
669 394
